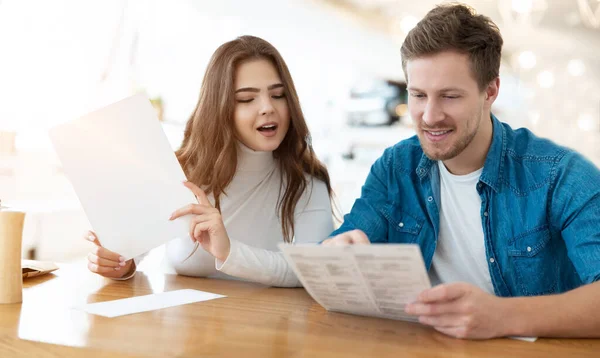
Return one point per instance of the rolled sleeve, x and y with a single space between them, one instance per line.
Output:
576 208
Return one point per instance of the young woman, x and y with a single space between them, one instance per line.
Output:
247 155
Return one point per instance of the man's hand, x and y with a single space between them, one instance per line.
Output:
347 238
461 310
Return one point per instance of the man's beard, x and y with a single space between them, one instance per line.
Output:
460 145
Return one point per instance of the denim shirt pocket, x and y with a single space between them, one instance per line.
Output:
403 226
535 270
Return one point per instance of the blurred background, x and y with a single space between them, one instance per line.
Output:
61 59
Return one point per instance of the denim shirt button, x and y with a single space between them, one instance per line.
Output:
401 224
430 199
485 214
492 260
528 248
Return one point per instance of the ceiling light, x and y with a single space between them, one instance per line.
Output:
546 79
527 60
522 7
528 12
576 67
586 122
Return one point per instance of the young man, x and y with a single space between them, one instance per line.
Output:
508 223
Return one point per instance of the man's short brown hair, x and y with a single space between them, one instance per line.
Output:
456 27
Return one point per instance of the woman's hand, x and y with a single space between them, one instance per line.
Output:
105 262
207 226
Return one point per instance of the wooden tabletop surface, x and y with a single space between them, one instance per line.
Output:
252 321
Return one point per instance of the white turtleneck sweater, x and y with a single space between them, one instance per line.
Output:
249 211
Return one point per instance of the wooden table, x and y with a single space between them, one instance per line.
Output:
253 321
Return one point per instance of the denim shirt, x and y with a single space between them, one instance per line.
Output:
540 210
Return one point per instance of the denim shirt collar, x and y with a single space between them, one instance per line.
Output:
494 163
492 168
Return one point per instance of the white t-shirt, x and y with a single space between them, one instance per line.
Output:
460 252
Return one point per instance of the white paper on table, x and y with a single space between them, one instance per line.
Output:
369 280
526 339
126 175
146 303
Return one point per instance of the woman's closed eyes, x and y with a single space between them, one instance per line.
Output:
250 99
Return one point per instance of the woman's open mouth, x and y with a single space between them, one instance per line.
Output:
268 130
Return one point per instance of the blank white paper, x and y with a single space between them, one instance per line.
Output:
526 339
147 303
126 176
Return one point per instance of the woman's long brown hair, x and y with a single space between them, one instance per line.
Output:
208 154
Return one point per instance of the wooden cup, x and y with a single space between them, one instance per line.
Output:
11 277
